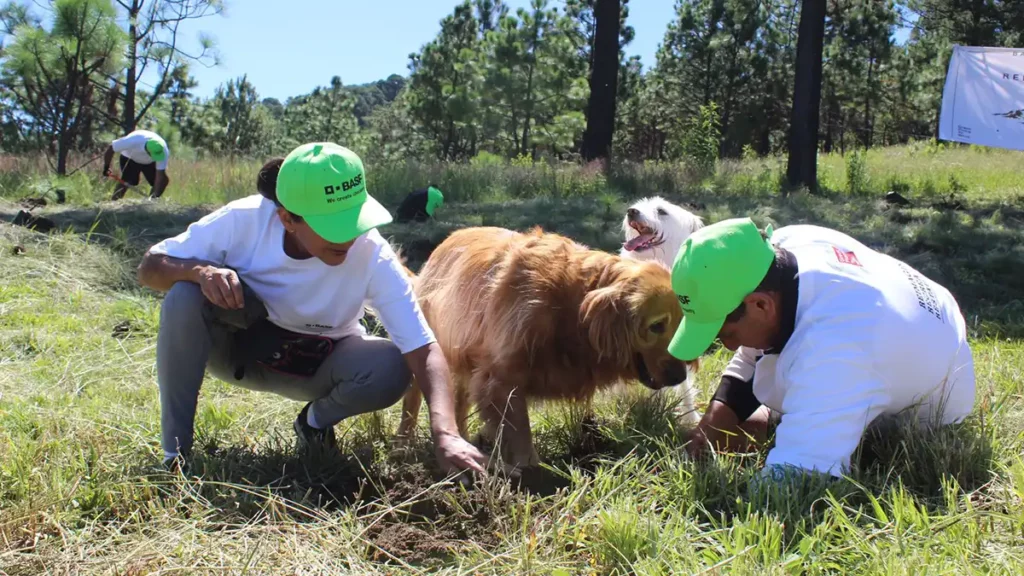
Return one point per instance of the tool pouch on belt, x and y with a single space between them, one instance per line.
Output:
255 339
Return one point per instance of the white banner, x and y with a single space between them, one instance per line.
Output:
983 99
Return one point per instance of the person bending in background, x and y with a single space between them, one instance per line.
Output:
419 205
142 152
268 292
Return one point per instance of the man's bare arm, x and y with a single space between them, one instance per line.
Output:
108 157
160 184
160 272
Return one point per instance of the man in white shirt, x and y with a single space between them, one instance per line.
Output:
268 292
829 336
142 152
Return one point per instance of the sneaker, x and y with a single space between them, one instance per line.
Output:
313 438
177 464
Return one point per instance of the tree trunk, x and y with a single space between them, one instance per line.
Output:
111 102
597 139
764 142
868 135
524 142
803 138
85 107
65 134
829 125
63 148
449 141
842 133
128 117
974 38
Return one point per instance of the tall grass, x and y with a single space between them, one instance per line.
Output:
925 170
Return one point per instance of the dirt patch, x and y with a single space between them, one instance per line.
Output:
410 544
125 329
429 528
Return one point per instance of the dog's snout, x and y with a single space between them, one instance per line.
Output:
632 213
675 373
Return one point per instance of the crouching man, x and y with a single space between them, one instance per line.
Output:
829 336
267 293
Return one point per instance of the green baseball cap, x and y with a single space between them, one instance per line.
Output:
325 184
714 270
155 150
434 200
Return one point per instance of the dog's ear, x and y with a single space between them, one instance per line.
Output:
606 316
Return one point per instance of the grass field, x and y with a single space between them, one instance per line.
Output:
81 491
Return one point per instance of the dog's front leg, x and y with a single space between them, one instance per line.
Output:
515 437
686 392
506 424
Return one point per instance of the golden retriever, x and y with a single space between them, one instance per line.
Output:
524 316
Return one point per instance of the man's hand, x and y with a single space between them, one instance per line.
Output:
455 454
696 442
720 430
221 287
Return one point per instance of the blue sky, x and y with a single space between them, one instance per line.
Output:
289 47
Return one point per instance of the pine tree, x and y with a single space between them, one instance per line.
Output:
52 74
324 115
444 86
535 86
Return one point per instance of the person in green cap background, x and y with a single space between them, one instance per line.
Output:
419 205
268 291
142 152
830 337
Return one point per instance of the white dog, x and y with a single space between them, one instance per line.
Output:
655 229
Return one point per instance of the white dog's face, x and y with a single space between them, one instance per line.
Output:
655 229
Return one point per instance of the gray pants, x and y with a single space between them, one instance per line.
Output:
362 373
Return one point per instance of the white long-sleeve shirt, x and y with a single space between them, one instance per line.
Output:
872 336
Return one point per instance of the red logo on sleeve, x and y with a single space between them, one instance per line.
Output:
846 257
